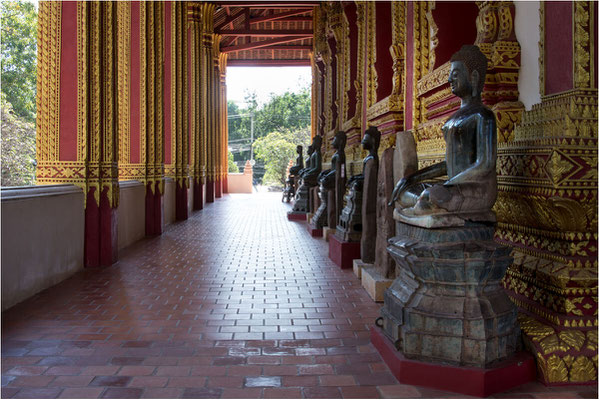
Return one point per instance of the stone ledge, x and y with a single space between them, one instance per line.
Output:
26 192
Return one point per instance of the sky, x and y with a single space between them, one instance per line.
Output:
264 81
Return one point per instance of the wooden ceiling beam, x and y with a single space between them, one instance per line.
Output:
268 63
260 44
228 20
274 17
267 33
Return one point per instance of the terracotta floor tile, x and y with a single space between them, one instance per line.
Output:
234 296
81 393
122 393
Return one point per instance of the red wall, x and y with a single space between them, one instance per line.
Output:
68 83
558 47
134 122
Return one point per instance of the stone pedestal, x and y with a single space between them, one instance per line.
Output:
375 283
302 199
314 199
447 304
343 253
359 265
319 220
349 227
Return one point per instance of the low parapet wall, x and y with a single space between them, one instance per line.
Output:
42 238
240 183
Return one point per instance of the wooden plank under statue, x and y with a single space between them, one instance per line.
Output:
446 311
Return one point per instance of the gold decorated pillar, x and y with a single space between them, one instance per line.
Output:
195 49
77 118
224 153
217 125
547 200
207 97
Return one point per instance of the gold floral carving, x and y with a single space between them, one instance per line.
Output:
124 51
371 61
82 91
48 85
433 39
582 48
542 48
550 348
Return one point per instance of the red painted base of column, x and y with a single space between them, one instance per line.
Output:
343 253
181 211
198 194
225 185
470 381
314 232
296 216
209 191
218 188
101 240
153 212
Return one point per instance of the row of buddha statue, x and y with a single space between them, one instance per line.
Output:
429 229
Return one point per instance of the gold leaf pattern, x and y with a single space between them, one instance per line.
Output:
553 369
573 338
583 370
592 340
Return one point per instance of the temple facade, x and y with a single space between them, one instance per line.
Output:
386 64
136 91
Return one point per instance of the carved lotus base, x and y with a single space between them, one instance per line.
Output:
447 304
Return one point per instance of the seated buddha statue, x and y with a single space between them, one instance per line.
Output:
299 162
309 174
470 134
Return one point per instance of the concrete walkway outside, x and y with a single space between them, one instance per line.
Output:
234 302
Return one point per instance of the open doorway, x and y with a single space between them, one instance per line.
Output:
268 117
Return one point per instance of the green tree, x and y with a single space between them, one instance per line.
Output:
18 148
276 149
232 166
18 50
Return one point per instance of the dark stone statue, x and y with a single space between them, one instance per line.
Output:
447 304
326 215
369 177
471 139
308 176
299 162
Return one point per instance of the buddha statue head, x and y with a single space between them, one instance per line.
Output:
468 71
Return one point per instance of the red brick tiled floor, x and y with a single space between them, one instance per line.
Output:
236 302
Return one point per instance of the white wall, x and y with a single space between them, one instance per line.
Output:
42 238
168 212
526 25
131 212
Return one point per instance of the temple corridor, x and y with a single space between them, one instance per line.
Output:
236 301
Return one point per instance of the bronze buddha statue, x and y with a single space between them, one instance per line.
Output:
471 154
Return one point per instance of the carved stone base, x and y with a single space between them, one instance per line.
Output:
349 227
375 283
447 304
302 199
359 265
480 382
319 220
343 253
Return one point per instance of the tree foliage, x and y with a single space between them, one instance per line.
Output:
18 49
18 58
279 125
276 149
232 166
18 148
